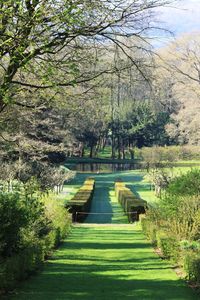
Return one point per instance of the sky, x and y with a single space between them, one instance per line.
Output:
182 17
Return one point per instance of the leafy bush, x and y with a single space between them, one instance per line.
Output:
19 266
169 245
60 222
190 245
59 216
13 218
155 156
181 206
175 224
150 230
186 184
30 226
181 215
192 266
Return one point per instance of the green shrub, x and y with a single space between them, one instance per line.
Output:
19 266
30 226
192 266
190 245
51 241
149 230
58 215
169 246
154 155
181 215
13 217
186 184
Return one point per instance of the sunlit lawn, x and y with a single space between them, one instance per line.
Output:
67 193
107 261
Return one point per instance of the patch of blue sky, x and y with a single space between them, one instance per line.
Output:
184 17
181 17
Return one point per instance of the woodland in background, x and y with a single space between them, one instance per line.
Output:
66 70
72 81
123 109
78 75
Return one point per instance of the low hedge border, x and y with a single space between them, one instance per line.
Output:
31 257
185 256
81 201
131 204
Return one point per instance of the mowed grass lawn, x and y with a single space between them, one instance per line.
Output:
105 261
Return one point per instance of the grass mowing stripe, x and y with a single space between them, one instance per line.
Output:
105 262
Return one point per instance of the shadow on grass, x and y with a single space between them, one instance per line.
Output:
92 284
94 268
105 263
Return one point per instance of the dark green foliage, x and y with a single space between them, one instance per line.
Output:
30 227
169 246
186 184
20 265
192 266
141 126
175 223
13 218
167 243
149 229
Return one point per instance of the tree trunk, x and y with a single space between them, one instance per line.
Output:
123 153
82 150
118 147
131 153
91 151
113 146
97 147
104 142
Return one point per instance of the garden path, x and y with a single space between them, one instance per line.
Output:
105 259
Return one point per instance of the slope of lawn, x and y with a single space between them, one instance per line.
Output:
105 261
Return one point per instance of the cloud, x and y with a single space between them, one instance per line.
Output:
184 17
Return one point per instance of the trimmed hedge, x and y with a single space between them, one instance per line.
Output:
132 205
21 265
169 246
149 230
35 243
192 266
81 201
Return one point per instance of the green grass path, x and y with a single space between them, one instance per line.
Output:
105 261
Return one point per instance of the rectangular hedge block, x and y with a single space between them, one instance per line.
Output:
132 205
79 205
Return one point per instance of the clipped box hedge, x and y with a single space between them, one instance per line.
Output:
131 204
79 205
20 266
